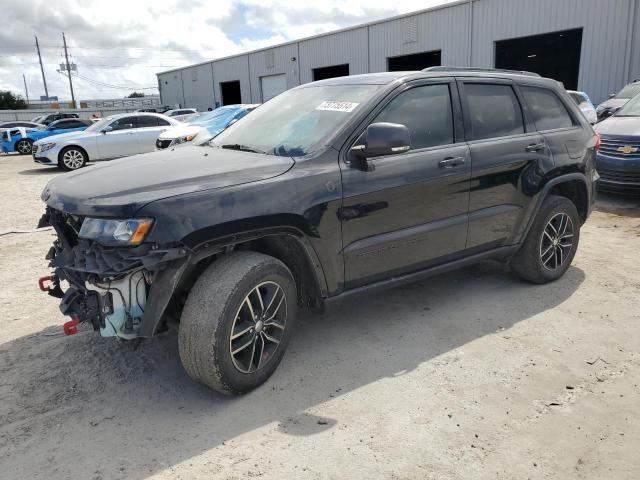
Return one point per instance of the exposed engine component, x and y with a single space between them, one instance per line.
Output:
121 302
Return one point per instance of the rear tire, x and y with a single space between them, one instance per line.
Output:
24 146
72 158
551 243
237 322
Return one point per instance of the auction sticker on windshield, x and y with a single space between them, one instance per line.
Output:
337 106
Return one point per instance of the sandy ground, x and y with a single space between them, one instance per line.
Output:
470 375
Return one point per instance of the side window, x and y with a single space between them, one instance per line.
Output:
60 124
74 124
493 110
426 112
147 121
162 122
547 111
124 123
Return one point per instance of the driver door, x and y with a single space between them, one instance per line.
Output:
407 211
121 140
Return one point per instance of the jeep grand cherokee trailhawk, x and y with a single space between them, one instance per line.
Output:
330 189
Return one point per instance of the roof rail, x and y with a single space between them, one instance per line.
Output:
477 69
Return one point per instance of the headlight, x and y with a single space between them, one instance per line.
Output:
47 146
116 232
185 139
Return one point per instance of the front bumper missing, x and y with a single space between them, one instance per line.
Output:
109 286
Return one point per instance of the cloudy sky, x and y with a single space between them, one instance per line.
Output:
125 43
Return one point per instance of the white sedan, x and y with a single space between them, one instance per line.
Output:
112 137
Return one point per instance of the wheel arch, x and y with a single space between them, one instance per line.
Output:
573 186
287 244
73 145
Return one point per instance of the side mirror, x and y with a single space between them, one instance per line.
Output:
108 128
384 139
611 95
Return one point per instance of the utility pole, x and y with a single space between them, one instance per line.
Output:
26 90
66 57
44 80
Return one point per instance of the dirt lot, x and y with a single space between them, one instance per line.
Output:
470 375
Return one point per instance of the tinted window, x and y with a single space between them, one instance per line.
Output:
493 110
546 109
163 123
124 123
426 112
23 124
147 121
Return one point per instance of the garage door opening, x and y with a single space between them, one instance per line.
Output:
554 55
331 72
230 92
416 61
272 85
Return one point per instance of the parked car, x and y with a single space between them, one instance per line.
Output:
52 117
584 104
22 142
180 112
618 160
111 137
328 190
617 100
203 126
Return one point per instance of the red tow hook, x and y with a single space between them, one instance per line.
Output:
43 280
71 327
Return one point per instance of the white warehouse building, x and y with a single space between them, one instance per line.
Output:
589 45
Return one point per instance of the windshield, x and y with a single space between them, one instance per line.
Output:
629 91
221 115
99 125
631 108
297 121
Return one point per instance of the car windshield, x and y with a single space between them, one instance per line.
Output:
629 91
100 124
296 122
631 108
220 115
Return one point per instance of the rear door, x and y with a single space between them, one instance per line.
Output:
408 211
507 153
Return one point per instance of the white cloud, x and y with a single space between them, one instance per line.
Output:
135 39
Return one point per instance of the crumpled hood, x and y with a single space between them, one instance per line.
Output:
181 131
119 188
612 103
619 126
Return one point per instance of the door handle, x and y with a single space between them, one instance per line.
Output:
535 147
451 162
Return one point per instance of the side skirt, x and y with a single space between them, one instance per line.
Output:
496 253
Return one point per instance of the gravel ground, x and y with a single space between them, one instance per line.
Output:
473 374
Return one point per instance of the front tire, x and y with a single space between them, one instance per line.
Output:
24 146
237 322
72 158
551 244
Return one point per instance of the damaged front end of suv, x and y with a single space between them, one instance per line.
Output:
110 273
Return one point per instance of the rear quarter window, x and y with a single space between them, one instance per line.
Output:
546 109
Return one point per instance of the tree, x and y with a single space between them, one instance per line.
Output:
11 101
136 95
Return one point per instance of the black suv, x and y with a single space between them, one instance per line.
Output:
330 189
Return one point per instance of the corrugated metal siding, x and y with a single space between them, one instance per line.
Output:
273 62
198 87
604 24
171 88
444 30
229 69
336 49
